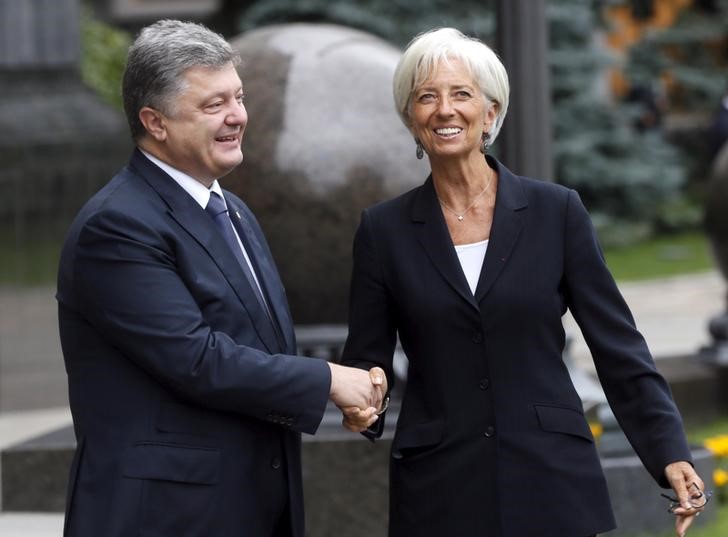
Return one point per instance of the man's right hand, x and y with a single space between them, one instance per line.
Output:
353 387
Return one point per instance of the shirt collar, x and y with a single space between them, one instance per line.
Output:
199 192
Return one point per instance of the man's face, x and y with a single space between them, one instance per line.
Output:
205 127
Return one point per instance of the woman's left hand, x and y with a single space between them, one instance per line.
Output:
357 420
688 488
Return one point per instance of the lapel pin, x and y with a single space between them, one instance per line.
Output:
238 215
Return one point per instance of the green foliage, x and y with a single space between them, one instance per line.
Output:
692 58
397 21
628 179
103 55
718 528
693 52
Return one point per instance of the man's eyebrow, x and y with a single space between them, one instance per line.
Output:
221 93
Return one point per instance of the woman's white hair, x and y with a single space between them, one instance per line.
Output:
426 51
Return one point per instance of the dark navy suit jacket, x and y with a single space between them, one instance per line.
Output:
187 406
491 437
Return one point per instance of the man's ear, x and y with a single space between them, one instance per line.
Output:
154 122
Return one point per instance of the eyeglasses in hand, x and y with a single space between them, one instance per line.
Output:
698 499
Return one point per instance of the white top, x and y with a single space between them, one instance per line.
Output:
201 194
471 258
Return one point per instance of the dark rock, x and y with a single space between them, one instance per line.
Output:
35 473
323 141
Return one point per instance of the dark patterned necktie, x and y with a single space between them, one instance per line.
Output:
219 213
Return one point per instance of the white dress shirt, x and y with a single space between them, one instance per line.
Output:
471 258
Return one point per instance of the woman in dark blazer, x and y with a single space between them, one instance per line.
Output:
474 270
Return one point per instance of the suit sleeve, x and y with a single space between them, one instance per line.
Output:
372 331
129 290
639 396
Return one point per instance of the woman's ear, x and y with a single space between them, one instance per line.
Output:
491 112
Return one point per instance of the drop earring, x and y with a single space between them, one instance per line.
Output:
420 152
484 143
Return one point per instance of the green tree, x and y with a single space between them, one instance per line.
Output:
691 54
692 57
397 21
103 55
630 180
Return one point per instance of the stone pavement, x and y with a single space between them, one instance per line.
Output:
672 314
31 525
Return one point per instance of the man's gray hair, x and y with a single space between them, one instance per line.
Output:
157 61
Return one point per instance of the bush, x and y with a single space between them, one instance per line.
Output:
103 56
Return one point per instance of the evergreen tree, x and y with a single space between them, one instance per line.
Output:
630 180
691 57
397 21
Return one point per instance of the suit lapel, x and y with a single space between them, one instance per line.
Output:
193 219
506 227
267 276
434 236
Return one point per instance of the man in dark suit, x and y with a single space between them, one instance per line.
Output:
187 399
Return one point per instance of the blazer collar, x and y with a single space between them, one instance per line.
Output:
193 219
435 238
507 225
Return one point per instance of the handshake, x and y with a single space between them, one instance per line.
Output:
359 394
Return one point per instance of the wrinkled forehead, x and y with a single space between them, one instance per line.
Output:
206 79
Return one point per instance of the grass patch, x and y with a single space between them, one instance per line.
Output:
35 262
661 257
717 528
697 435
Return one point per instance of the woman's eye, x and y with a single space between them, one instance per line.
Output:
426 98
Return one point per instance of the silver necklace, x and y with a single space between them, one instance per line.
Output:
461 216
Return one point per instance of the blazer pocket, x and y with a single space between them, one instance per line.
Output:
411 440
561 419
172 462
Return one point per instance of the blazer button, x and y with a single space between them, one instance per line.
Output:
489 432
478 337
275 463
484 384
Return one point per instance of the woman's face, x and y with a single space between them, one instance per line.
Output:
449 113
